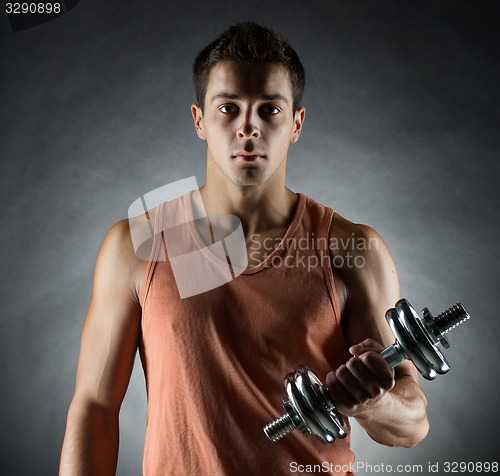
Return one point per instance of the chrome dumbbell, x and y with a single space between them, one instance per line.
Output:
309 405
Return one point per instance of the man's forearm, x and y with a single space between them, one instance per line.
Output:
399 418
91 441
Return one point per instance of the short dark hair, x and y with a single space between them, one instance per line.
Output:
250 43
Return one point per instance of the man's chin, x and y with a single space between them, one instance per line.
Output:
248 181
250 178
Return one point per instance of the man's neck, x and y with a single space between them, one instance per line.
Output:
260 208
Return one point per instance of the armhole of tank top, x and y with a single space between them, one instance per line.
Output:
157 242
328 268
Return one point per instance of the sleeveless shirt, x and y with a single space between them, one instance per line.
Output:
214 362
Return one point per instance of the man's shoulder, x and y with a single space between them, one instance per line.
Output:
346 232
355 248
132 238
353 236
124 256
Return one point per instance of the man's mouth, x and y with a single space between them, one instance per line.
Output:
248 156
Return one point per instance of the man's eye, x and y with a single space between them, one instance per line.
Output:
271 110
227 109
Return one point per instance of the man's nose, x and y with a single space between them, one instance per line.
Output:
248 129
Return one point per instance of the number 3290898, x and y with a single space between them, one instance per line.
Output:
470 467
13 8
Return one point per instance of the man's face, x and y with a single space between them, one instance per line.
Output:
248 121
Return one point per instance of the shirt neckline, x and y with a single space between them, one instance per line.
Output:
267 262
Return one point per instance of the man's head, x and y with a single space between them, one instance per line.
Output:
249 85
248 43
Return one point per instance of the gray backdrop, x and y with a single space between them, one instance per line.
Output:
400 133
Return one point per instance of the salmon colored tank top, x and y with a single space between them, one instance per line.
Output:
215 362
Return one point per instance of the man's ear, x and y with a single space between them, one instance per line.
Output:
197 113
298 120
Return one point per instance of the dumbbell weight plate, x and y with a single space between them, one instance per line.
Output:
306 393
416 341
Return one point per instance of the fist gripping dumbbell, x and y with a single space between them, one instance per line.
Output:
310 406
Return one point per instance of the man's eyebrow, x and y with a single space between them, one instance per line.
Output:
265 97
274 97
225 96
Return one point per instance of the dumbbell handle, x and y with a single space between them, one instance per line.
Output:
393 355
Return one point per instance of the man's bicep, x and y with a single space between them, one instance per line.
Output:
373 287
112 325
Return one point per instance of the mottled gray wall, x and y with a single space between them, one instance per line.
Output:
401 133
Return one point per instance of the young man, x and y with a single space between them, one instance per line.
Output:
214 362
